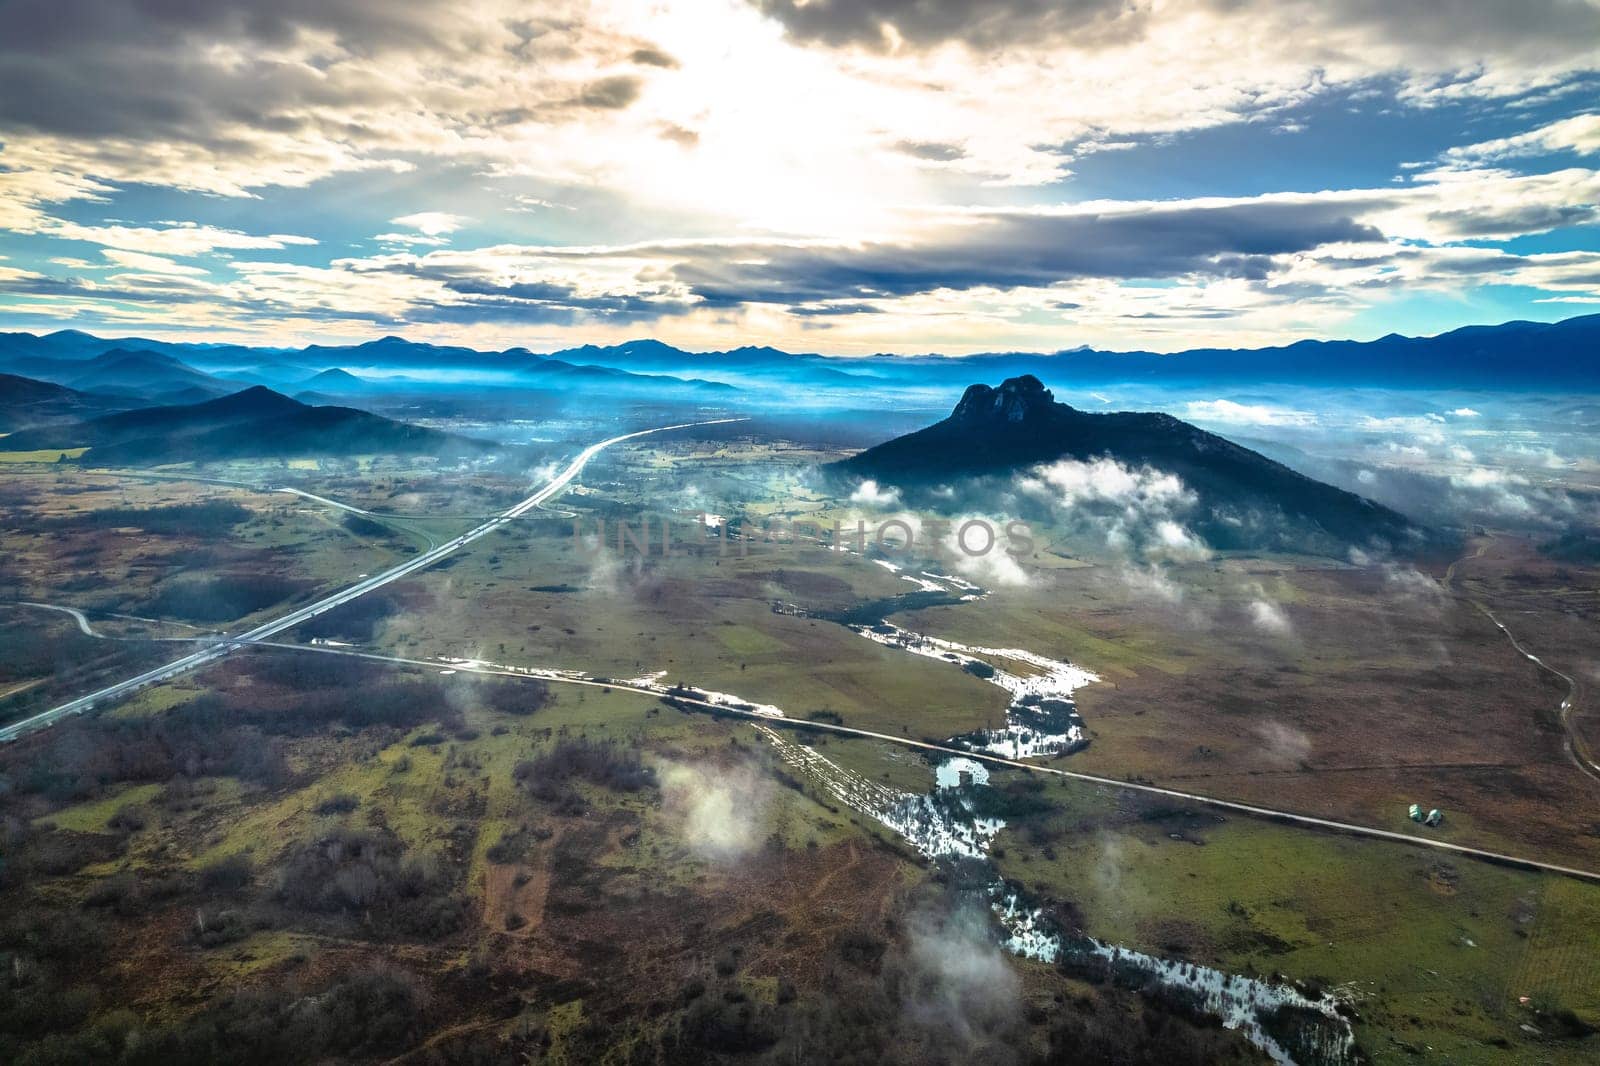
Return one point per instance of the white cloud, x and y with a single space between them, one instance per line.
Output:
1248 414
993 568
431 223
1578 133
799 121
1283 745
1464 412
1270 618
870 494
410 239
152 263
1133 511
719 813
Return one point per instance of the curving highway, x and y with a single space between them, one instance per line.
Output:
197 659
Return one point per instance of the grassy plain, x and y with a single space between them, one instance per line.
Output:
605 920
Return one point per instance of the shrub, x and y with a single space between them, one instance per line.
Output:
362 526
221 599
356 621
549 774
340 803
521 698
228 874
365 872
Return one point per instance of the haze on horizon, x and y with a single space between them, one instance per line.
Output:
843 177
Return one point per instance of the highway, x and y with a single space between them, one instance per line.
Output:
211 653
1269 813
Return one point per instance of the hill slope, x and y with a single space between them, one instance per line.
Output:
137 370
255 423
1246 499
26 402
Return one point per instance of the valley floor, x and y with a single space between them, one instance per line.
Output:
324 856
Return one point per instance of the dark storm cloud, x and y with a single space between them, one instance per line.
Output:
200 70
1491 27
1512 220
535 298
1012 251
121 287
120 67
35 26
978 23
678 135
606 94
483 297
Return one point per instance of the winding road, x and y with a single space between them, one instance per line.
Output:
213 652
1572 742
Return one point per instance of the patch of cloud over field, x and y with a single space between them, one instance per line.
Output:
985 554
1247 414
870 494
1284 746
719 811
1270 618
963 991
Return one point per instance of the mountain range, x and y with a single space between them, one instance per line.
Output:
1245 500
1512 355
252 424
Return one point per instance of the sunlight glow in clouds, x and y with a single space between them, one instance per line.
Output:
849 177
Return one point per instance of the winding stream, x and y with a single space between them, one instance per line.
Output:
947 827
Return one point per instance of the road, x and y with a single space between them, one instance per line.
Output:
1571 741
78 616
204 656
332 503
391 521
1269 813
1576 750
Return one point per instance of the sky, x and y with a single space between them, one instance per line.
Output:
837 176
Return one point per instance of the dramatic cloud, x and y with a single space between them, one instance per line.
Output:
1340 31
885 174
887 24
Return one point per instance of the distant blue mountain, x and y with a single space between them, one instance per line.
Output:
1513 355
254 423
